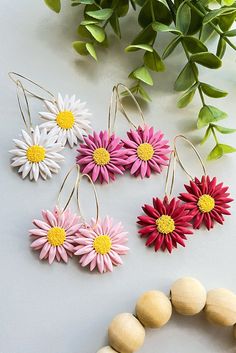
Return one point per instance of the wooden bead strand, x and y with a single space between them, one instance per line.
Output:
126 332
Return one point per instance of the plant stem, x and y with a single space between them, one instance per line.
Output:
214 134
202 14
172 8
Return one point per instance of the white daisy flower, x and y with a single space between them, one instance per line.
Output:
37 154
67 118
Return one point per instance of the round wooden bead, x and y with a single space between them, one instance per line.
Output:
106 349
153 309
125 333
221 307
188 296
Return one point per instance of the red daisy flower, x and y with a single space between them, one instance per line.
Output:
101 156
147 150
165 224
206 201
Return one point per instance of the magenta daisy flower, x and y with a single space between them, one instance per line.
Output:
55 234
207 201
147 150
101 244
101 156
165 224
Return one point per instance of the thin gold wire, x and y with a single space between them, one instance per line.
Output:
196 152
73 189
12 75
116 103
95 196
28 120
170 174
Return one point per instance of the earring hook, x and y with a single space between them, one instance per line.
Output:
12 76
73 189
194 149
170 174
28 124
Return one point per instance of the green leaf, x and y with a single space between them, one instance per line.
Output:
97 32
147 35
80 47
160 27
88 22
171 47
221 48
54 5
227 148
187 97
122 8
135 47
153 61
194 45
144 94
212 91
183 17
91 50
231 33
114 21
86 2
224 130
211 15
185 79
143 75
158 9
207 59
209 114
103 14
206 32
195 24
216 153
225 22
207 135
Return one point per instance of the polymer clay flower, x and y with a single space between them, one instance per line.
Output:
147 150
165 224
100 245
54 236
37 154
207 201
101 156
67 118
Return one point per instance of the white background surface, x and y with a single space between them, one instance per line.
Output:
63 308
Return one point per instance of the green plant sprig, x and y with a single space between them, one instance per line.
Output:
192 23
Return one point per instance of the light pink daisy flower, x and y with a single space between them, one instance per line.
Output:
100 245
101 156
147 150
54 236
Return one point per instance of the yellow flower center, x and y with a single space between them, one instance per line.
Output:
102 244
206 203
101 156
35 153
65 119
165 224
145 151
56 236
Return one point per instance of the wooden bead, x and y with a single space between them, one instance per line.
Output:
188 296
153 309
126 334
221 307
106 349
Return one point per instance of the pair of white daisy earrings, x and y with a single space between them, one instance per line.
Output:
36 152
62 234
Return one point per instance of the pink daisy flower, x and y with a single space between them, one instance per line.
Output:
101 156
54 236
101 244
207 201
147 151
165 224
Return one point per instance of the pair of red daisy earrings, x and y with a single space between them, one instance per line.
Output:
61 234
167 222
103 155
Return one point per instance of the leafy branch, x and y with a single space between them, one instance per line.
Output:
192 23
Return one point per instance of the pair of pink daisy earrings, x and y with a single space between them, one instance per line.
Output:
36 150
62 234
104 155
167 222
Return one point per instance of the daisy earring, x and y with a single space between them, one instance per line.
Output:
102 155
99 242
148 150
167 221
206 200
54 234
67 118
36 152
